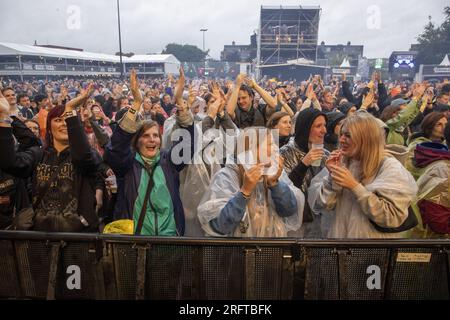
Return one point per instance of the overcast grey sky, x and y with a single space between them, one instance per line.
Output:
147 26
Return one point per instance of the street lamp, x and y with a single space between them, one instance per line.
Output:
120 40
204 30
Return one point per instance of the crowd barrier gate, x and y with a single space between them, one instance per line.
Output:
36 265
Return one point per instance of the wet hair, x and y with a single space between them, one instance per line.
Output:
429 122
275 119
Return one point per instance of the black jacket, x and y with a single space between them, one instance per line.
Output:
13 169
72 194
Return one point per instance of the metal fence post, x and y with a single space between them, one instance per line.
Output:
141 271
249 266
53 272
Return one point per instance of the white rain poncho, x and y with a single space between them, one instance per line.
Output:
261 216
385 200
196 177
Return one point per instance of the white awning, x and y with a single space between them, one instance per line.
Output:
23 49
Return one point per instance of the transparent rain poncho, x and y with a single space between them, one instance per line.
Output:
196 177
260 219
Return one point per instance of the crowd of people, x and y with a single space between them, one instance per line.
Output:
223 158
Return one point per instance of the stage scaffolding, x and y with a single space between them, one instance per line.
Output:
287 33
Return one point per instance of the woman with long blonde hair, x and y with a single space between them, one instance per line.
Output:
363 188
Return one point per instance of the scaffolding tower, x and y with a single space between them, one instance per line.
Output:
287 33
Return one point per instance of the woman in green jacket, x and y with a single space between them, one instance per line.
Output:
397 124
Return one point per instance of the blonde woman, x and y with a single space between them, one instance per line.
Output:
361 185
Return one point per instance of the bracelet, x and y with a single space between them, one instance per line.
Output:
68 114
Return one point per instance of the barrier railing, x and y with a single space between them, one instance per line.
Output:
89 266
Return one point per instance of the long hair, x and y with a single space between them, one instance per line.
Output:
56 112
369 141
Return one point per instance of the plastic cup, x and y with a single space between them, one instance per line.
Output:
316 146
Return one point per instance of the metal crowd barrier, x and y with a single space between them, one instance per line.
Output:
37 265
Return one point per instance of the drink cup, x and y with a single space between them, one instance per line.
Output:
316 146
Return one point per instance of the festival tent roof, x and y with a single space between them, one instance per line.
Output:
445 62
23 49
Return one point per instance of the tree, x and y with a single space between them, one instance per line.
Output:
434 42
185 53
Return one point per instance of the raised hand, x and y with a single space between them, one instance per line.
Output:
334 159
312 156
271 181
134 86
4 105
343 177
215 89
192 96
81 98
419 90
368 99
310 94
251 82
251 178
240 79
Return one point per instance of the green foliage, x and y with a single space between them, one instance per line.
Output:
434 42
185 53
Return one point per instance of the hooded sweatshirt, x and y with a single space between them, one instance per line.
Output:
301 175
331 139
429 152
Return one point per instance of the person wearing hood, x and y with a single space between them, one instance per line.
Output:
432 206
432 131
252 196
347 108
333 130
304 157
